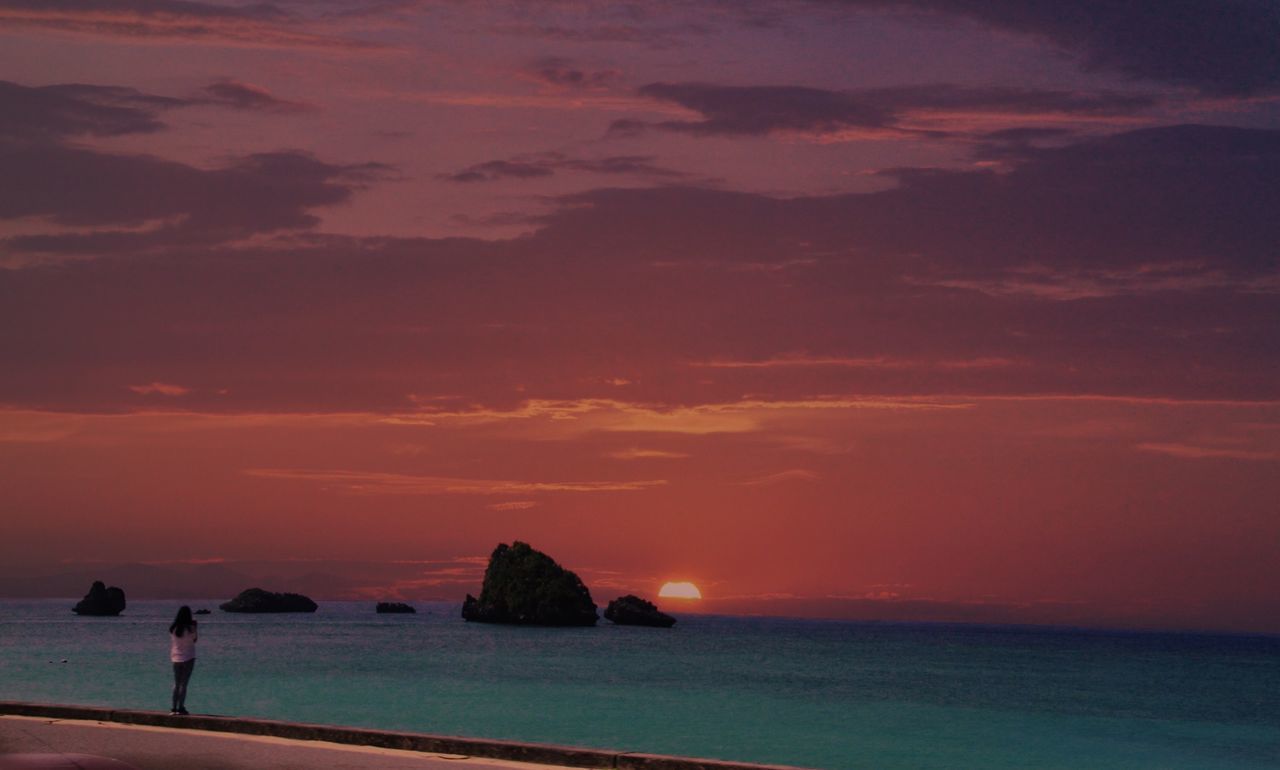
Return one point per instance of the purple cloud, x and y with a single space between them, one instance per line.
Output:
50 113
563 72
760 110
139 202
58 112
166 202
246 96
494 170
542 165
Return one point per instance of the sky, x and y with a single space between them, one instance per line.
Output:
926 310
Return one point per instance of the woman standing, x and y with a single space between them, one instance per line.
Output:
182 651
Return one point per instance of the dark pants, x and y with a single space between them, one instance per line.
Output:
181 675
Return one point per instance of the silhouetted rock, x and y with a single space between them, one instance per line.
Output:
525 586
101 601
201 612
258 600
394 608
631 610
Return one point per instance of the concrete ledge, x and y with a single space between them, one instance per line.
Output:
54 711
516 751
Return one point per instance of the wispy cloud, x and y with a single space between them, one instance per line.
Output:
23 426
545 164
160 389
637 453
648 35
610 415
1196 452
368 482
924 110
1134 400
1065 285
800 360
565 73
247 96
782 477
514 505
260 25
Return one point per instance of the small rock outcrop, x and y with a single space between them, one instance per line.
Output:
258 600
201 612
525 586
101 601
394 608
631 610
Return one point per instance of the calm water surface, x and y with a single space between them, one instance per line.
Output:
811 693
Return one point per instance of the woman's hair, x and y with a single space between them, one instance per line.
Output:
183 622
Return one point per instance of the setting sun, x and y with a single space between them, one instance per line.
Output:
679 591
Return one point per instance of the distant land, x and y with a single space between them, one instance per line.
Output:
221 581
176 581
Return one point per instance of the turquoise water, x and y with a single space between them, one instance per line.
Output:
811 693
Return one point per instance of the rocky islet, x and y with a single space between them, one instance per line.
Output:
631 610
101 601
524 586
394 608
259 600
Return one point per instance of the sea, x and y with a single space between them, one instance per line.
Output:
811 693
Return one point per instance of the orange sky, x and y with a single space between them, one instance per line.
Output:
929 312
1125 506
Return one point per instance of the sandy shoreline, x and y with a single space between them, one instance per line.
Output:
153 733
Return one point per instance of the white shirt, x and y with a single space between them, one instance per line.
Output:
183 648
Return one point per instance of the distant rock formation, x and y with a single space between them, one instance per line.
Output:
101 601
394 608
201 612
631 610
525 586
258 600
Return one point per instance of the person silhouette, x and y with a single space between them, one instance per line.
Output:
182 651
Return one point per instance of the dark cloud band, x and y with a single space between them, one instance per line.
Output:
1134 265
1218 47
